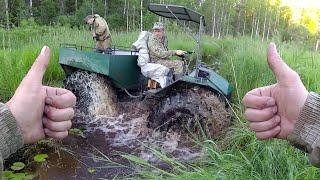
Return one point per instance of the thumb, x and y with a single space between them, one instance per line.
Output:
279 68
40 65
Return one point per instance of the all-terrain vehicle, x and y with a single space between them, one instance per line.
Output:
196 100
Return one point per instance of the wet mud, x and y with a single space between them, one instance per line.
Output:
113 128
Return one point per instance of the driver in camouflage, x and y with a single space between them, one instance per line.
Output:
158 49
101 32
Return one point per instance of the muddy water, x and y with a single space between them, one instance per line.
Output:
107 136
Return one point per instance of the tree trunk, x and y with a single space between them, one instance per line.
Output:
61 7
317 45
244 24
225 23
127 17
252 26
106 5
160 16
228 23
30 5
220 27
269 27
239 17
141 15
75 5
133 18
7 13
264 26
214 18
125 7
220 24
92 7
257 27
277 23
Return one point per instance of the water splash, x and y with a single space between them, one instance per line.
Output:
128 132
94 92
123 124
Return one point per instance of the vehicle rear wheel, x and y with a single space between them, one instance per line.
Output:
196 110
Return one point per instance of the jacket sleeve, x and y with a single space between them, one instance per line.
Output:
10 135
100 30
156 50
306 134
101 27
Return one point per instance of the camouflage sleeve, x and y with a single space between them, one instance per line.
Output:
100 29
107 30
156 50
306 134
10 136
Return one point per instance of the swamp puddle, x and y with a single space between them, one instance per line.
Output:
98 153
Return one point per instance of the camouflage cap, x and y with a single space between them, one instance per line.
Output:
96 15
86 19
158 25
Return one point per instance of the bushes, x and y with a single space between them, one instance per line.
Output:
47 12
297 33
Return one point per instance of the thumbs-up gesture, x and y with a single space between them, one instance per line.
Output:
274 110
41 110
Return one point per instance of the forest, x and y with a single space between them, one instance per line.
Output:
264 19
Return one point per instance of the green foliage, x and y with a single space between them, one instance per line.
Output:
76 132
296 33
19 12
264 19
86 9
40 157
47 12
17 166
64 20
92 170
17 176
7 174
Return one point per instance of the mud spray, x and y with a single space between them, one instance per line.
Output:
112 128
124 124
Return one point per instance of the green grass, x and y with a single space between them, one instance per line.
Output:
242 61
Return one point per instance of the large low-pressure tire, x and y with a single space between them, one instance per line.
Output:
95 95
196 110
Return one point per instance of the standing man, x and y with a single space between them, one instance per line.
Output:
158 49
101 32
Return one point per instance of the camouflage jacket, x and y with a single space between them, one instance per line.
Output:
158 50
306 134
101 29
10 136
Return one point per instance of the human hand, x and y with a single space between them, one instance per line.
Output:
41 110
180 53
274 110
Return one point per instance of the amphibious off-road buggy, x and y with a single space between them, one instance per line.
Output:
100 81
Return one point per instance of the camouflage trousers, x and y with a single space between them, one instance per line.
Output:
103 45
176 65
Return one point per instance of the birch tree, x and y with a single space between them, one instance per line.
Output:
62 7
30 6
7 13
141 15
